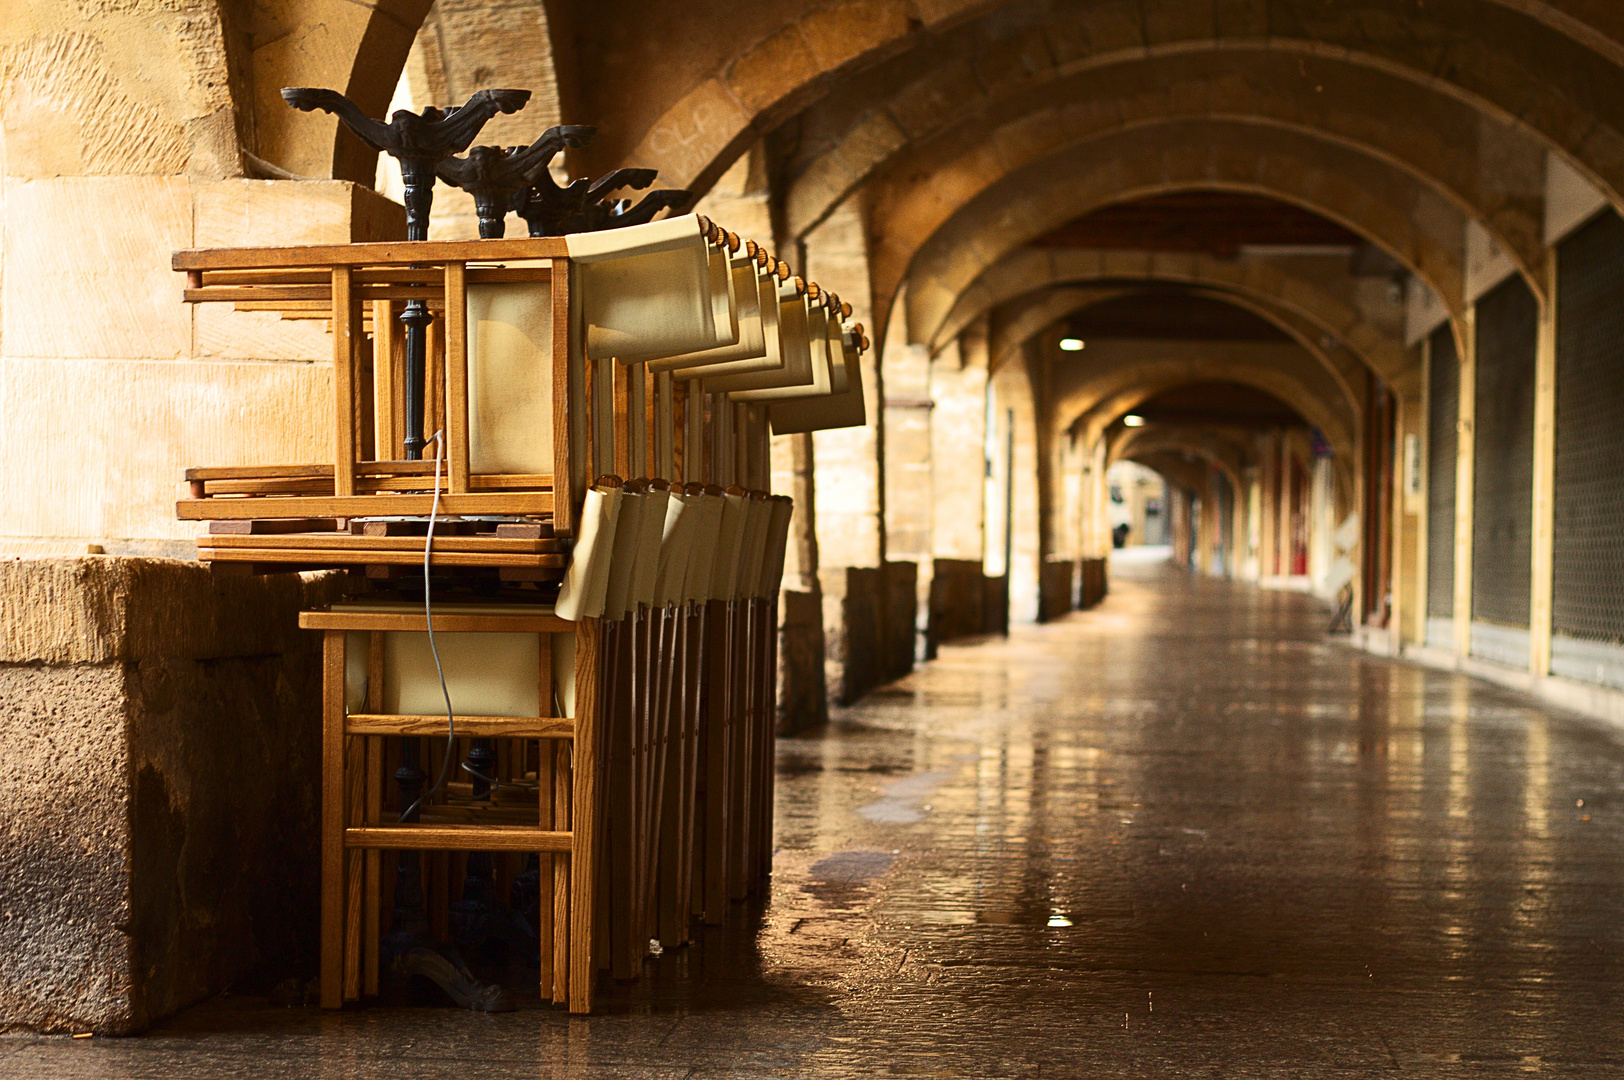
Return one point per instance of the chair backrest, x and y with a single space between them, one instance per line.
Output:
755 289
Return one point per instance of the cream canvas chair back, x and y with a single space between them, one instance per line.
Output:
810 320
753 288
799 415
797 369
652 290
510 377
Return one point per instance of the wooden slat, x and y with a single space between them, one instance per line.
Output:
512 814
343 384
354 862
512 481
515 623
385 331
584 814
369 275
456 374
273 527
347 542
509 275
275 295
373 911
380 254
332 821
499 727
564 410
312 471
366 485
337 557
434 385
695 463
516 503
457 838
562 893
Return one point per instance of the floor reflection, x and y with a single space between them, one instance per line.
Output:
1178 834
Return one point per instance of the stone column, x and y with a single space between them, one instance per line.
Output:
160 787
909 476
958 450
860 648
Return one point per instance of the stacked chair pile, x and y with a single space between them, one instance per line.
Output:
548 707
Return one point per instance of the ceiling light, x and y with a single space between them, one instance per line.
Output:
1071 344
1133 420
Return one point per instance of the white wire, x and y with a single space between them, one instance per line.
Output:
428 617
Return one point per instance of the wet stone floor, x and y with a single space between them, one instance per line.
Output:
1178 835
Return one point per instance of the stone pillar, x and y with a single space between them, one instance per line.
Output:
860 649
160 787
1409 525
909 476
802 697
958 451
1465 463
1541 602
1013 500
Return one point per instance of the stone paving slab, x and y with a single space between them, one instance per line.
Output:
1177 835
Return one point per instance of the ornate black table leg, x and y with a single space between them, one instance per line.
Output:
495 175
479 921
409 950
419 141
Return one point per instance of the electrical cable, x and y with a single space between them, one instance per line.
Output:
438 438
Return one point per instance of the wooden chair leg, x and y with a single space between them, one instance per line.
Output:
355 779
333 791
769 754
716 786
372 863
547 818
584 815
738 752
562 939
622 805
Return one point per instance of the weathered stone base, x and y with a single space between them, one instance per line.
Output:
158 795
802 700
868 620
1092 584
1057 589
965 602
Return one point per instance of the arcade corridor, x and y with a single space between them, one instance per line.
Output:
1179 831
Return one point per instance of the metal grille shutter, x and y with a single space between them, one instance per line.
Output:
1503 485
1443 410
1588 591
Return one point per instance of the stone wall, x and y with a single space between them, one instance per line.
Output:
159 795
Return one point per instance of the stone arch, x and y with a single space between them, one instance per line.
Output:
1220 452
1172 467
358 49
1047 308
1434 136
1306 301
940 248
1552 67
1139 370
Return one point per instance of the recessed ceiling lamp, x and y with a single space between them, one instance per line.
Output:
1133 420
1071 344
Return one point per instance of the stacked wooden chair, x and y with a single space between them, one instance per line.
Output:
581 586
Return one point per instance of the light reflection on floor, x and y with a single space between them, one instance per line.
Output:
1178 835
